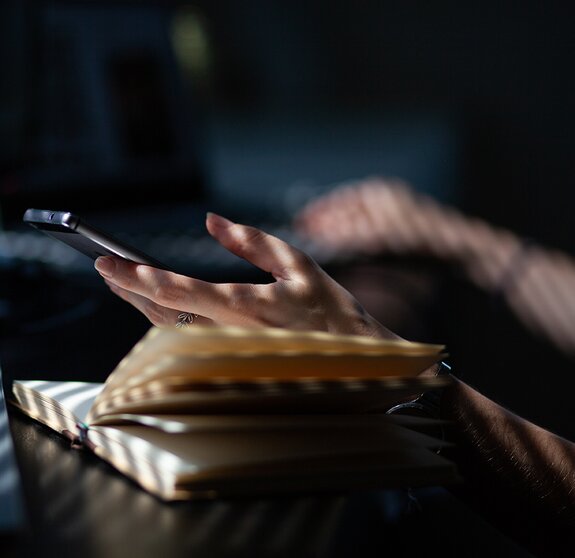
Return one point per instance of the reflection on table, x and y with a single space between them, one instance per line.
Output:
80 506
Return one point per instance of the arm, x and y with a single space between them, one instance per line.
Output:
529 469
385 216
521 476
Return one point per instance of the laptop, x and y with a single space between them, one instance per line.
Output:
120 137
117 135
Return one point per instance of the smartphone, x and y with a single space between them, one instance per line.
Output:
77 233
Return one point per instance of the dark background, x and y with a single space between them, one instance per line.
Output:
500 70
263 103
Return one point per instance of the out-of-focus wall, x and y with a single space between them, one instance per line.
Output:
503 68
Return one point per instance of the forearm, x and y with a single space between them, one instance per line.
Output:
522 476
535 282
483 253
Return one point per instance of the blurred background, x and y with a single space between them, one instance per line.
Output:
142 115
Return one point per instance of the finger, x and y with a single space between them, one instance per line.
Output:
222 303
265 251
158 315
340 220
306 221
162 287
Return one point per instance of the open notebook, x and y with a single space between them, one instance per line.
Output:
217 411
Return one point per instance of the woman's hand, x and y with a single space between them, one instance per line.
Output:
373 216
302 297
386 216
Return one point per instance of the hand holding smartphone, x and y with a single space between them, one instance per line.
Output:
77 233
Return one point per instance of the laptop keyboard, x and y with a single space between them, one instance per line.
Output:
184 251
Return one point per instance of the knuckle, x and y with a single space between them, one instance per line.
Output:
165 294
308 292
240 297
246 302
303 261
246 237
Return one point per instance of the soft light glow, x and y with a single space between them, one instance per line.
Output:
192 45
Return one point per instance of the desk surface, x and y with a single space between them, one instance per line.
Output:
77 505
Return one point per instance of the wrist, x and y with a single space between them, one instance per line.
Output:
427 404
491 255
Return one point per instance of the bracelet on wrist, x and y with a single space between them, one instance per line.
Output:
427 404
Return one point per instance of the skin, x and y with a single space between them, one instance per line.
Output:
302 295
518 475
386 216
521 475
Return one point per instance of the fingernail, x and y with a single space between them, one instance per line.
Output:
105 266
218 221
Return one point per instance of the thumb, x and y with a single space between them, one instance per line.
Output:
264 250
